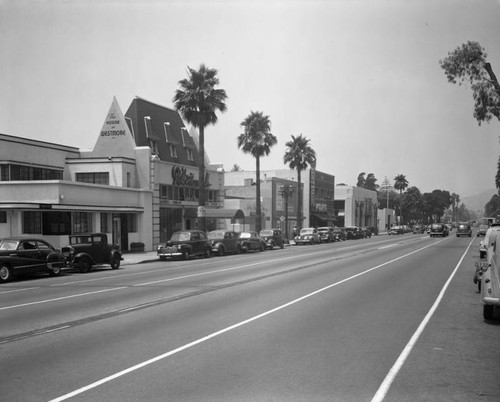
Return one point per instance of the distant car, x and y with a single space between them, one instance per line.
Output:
273 238
88 249
417 229
367 232
353 232
185 244
326 234
339 233
490 278
464 229
251 241
439 229
22 255
307 236
396 230
481 230
224 241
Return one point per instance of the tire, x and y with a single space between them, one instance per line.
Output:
54 267
262 248
482 254
6 273
488 311
207 253
282 246
84 265
115 262
162 258
272 245
221 252
185 255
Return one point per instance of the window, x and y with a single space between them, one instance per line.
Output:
56 223
154 147
130 126
93 177
32 222
104 222
129 179
132 223
163 191
3 216
190 155
4 172
173 151
21 172
82 222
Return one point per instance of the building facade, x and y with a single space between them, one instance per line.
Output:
356 206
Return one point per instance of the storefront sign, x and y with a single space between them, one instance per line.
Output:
180 177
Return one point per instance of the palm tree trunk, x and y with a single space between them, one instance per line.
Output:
258 219
401 205
299 201
202 220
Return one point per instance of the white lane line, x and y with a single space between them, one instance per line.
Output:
389 246
17 290
224 330
61 298
393 372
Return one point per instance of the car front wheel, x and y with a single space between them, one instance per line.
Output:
115 262
6 273
208 253
85 265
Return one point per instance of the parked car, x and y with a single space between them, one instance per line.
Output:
185 244
326 234
22 255
482 229
396 230
251 241
88 249
307 236
490 278
367 232
340 234
417 229
485 243
464 229
439 229
353 232
224 241
273 238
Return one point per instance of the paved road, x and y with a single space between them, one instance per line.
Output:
306 323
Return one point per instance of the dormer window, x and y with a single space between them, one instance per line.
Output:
166 127
173 151
190 155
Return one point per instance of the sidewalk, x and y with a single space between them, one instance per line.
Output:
137 258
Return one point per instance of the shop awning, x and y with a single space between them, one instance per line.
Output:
217 213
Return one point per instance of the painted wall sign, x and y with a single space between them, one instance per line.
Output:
180 177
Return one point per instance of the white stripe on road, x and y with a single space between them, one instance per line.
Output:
227 329
393 372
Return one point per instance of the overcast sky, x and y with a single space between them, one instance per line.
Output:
360 79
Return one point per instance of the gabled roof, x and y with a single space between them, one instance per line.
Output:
153 122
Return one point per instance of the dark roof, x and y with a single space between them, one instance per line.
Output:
154 129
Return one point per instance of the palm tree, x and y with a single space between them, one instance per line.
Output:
197 100
400 183
299 155
257 141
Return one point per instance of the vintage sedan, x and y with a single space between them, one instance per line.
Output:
273 238
464 229
308 236
20 255
251 241
224 241
185 244
326 234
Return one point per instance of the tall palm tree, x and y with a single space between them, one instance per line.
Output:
400 183
197 100
299 155
257 140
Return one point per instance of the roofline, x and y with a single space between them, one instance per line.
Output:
157 104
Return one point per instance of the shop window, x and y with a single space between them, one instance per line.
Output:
4 172
163 191
93 177
56 223
82 222
3 216
32 222
104 222
132 223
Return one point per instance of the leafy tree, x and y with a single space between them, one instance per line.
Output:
236 168
400 183
468 63
413 205
436 203
492 207
197 100
371 182
257 140
299 155
361 180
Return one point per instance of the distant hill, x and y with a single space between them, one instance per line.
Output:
476 202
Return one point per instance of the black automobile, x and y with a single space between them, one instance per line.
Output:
340 234
88 249
353 232
224 241
464 229
251 241
439 229
273 238
22 255
185 244
326 234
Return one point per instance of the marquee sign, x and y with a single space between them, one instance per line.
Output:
180 177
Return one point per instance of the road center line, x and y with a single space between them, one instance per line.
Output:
227 329
393 372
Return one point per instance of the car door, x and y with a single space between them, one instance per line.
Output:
99 250
30 257
195 242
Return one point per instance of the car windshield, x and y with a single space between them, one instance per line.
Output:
323 229
306 231
266 232
8 244
463 226
216 234
245 235
80 240
437 226
181 236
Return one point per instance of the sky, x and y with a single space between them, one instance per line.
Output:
360 79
